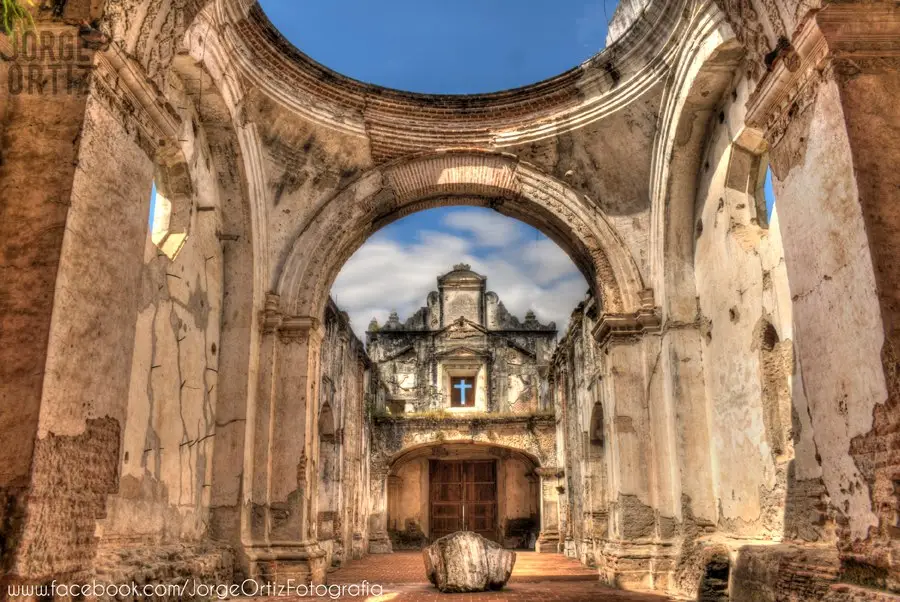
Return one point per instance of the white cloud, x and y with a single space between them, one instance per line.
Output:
487 229
547 261
387 275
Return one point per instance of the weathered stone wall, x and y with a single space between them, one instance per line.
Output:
626 13
348 385
165 471
582 434
81 409
505 357
747 330
37 166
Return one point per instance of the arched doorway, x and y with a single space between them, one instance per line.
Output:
439 489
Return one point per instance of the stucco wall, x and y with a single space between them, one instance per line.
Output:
744 305
344 442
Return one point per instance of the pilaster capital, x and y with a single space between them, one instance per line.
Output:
645 320
841 40
271 316
301 329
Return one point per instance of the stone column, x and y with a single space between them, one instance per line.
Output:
283 500
379 541
828 111
548 541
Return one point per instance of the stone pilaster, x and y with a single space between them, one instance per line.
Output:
549 539
637 551
379 541
283 495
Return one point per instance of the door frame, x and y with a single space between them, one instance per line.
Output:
494 532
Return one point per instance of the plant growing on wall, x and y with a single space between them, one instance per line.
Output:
16 15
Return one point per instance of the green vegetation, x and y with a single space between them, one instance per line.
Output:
16 15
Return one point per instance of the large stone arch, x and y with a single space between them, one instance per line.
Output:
500 181
529 440
695 88
704 72
533 436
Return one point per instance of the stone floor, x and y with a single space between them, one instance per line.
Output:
536 577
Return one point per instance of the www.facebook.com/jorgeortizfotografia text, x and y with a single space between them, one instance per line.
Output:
192 589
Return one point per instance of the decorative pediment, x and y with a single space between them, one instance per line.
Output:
462 324
462 352
463 330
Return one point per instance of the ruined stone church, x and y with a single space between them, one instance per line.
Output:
463 356
462 351
183 399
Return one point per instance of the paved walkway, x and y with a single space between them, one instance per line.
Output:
536 578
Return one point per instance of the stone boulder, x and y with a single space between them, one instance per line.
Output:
467 562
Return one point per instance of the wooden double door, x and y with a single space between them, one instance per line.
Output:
463 497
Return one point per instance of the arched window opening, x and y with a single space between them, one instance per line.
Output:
596 432
326 423
152 207
765 194
171 206
769 194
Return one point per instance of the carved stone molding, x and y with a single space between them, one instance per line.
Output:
646 320
300 329
744 19
124 87
551 472
301 471
270 317
841 41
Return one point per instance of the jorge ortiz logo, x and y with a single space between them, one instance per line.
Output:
50 62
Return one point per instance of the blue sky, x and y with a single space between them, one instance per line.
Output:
770 194
445 47
396 268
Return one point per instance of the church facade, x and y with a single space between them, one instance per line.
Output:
462 360
462 352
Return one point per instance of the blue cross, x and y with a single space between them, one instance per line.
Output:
462 386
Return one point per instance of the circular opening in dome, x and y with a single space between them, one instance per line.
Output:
460 47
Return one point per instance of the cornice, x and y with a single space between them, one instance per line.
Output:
301 328
618 325
289 328
552 472
128 86
844 38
